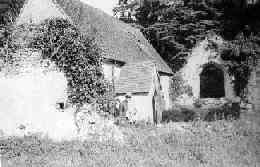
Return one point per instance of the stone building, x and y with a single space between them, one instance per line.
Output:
257 103
254 87
144 82
122 46
207 74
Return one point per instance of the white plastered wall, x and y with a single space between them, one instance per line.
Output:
29 93
143 105
143 101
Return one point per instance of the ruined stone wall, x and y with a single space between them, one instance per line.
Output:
254 88
200 56
257 107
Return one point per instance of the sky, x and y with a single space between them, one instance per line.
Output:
105 5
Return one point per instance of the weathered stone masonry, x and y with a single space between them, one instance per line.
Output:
257 107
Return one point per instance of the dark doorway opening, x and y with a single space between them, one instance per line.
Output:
212 82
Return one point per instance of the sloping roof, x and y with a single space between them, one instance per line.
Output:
136 78
117 40
36 11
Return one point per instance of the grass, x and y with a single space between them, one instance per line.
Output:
193 144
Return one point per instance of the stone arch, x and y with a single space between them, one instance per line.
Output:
212 81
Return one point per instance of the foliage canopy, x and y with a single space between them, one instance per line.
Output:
174 28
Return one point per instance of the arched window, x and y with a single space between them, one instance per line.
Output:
212 83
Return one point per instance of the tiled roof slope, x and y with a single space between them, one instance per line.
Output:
136 78
117 40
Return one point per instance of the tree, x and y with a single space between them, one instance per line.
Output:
174 27
12 10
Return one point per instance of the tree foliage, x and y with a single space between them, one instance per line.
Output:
13 10
242 55
7 46
174 28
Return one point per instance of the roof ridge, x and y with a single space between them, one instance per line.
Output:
34 12
116 40
62 10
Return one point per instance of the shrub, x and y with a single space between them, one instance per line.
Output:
198 103
227 111
180 114
178 87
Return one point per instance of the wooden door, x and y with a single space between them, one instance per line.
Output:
158 105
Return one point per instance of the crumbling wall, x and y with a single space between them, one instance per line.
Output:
257 107
201 55
253 89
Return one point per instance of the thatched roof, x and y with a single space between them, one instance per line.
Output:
118 40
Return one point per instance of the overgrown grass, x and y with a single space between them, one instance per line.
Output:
193 144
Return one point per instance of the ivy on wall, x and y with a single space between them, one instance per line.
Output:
75 55
7 46
241 53
178 87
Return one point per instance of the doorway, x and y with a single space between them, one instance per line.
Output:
212 82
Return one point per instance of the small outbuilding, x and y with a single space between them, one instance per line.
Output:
142 81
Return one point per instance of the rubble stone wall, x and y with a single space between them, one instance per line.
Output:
254 88
258 87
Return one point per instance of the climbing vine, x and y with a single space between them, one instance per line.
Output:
242 55
178 87
7 46
74 54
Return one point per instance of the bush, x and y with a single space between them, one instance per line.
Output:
180 114
227 112
178 87
198 103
